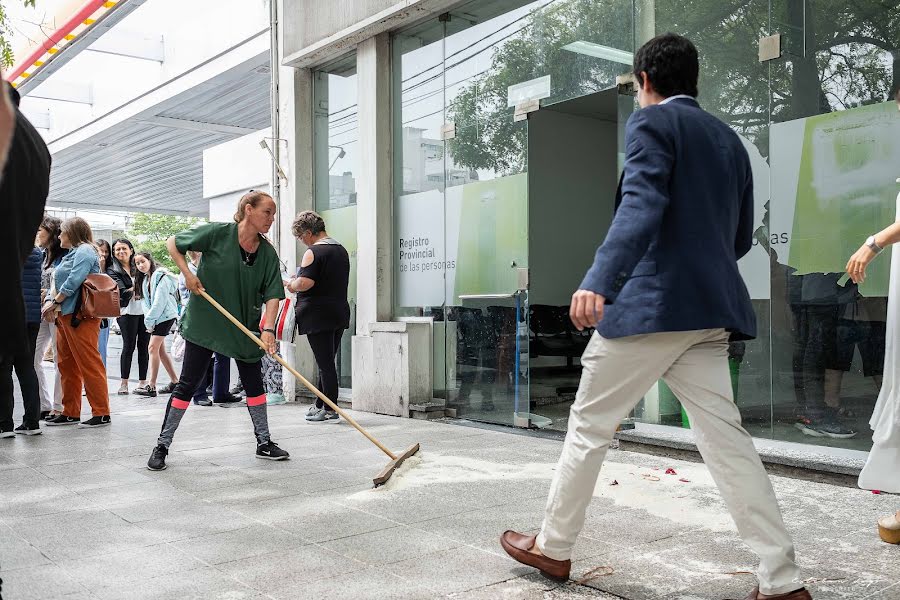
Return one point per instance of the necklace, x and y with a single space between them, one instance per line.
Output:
248 258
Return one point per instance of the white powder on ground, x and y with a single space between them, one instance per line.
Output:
694 503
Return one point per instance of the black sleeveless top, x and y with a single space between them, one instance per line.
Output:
324 306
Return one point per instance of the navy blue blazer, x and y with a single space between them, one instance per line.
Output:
684 217
31 285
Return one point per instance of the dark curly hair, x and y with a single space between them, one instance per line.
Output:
671 64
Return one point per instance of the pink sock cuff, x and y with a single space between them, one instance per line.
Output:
256 400
181 404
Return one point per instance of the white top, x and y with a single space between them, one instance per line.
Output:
670 98
135 307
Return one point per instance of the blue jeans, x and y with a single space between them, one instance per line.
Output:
220 371
103 341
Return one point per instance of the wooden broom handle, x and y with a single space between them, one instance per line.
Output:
293 372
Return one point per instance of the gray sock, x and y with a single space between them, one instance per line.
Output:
174 413
259 416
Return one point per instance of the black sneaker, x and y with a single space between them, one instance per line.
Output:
157 460
271 451
237 390
825 428
96 422
44 415
24 429
145 390
228 399
62 420
203 402
9 433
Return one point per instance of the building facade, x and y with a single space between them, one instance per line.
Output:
467 153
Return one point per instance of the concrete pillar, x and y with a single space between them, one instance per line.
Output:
645 22
374 189
295 118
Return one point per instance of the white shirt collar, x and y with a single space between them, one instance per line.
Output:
670 98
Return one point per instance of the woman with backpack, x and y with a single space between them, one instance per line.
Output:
77 356
156 290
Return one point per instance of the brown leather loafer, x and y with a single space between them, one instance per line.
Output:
518 546
801 594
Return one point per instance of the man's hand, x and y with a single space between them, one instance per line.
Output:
856 266
192 282
586 310
268 338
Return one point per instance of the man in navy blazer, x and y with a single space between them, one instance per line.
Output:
666 297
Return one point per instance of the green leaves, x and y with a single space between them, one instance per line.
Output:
150 232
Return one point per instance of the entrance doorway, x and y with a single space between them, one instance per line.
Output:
575 152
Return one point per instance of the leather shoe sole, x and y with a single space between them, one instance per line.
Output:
518 545
801 594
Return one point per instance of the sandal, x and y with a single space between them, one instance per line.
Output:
145 390
889 528
123 389
168 388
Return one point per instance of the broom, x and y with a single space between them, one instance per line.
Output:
396 459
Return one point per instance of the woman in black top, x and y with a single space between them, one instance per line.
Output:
131 321
323 312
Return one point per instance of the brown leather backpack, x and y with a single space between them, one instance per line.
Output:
99 297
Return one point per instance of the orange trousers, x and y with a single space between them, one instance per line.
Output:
79 364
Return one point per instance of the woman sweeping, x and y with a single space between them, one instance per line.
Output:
240 270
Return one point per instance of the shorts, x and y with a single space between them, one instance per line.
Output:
163 329
869 337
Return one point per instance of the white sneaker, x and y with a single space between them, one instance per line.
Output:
272 399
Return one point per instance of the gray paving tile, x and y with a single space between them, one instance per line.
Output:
83 533
239 544
372 584
458 569
131 493
16 553
39 583
358 479
128 567
243 494
200 476
329 521
181 524
289 568
198 584
389 545
91 475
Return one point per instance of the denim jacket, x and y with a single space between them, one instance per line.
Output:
159 306
71 273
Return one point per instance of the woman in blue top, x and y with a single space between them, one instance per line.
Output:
77 356
156 290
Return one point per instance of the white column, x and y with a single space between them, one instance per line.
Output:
295 118
374 189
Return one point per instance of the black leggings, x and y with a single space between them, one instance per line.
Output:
325 345
194 370
134 335
28 382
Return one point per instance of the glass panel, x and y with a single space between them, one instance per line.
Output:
733 86
336 165
486 218
419 276
835 151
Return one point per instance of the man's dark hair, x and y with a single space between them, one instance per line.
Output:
671 64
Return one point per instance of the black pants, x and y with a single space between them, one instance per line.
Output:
195 366
815 331
134 335
28 382
325 345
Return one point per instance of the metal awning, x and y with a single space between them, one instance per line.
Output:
147 155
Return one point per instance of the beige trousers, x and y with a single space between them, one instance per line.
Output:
616 375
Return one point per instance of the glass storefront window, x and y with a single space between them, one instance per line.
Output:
819 126
336 164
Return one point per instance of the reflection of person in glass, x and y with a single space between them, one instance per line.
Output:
882 470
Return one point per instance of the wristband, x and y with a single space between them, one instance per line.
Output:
272 331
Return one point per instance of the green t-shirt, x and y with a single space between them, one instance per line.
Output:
240 289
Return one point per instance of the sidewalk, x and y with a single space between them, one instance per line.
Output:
81 517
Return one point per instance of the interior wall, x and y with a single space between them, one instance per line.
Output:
572 177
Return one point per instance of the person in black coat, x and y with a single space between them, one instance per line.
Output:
24 185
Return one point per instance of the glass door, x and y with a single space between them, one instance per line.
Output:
486 225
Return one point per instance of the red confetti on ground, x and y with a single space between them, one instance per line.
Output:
683 480
671 471
876 491
614 482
